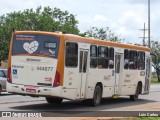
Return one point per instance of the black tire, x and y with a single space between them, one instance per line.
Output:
53 100
135 96
96 97
86 102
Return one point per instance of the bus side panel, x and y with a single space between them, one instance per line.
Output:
131 78
91 82
104 76
71 83
71 80
129 82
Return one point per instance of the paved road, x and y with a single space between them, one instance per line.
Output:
6 98
149 102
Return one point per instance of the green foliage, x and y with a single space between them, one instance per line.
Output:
154 80
148 118
101 33
4 47
42 19
155 49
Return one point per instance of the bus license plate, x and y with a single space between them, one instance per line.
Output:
30 90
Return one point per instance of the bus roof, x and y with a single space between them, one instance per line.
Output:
103 42
77 38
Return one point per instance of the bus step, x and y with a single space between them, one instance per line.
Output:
115 96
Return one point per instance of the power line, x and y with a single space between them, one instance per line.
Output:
149 42
144 35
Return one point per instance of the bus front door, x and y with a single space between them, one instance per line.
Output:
118 61
83 71
148 76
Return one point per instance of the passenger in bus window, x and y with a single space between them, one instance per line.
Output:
126 62
111 64
131 64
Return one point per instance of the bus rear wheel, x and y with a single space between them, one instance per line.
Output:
96 100
54 100
135 96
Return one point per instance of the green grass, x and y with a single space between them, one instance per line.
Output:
148 118
136 118
154 80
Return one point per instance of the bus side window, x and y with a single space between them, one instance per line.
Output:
85 61
132 59
102 57
71 59
126 59
141 60
80 61
93 56
111 58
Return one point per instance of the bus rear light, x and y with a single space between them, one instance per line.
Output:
56 80
9 75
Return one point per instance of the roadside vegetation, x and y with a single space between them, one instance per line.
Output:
148 118
154 80
45 19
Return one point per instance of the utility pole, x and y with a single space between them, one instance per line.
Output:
149 42
144 35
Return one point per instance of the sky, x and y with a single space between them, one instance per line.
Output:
123 17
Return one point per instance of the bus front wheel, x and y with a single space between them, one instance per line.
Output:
97 96
54 100
135 96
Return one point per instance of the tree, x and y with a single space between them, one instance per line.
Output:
42 19
101 33
155 49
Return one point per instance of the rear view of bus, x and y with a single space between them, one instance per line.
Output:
32 64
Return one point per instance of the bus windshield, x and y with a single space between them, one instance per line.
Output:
36 44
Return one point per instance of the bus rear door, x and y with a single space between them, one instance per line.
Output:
148 75
83 71
118 72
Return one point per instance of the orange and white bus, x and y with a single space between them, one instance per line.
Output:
64 66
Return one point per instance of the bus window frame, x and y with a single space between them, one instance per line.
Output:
95 58
111 58
133 60
126 58
141 62
105 60
68 66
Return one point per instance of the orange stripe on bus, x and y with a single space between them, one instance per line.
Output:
60 64
104 43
